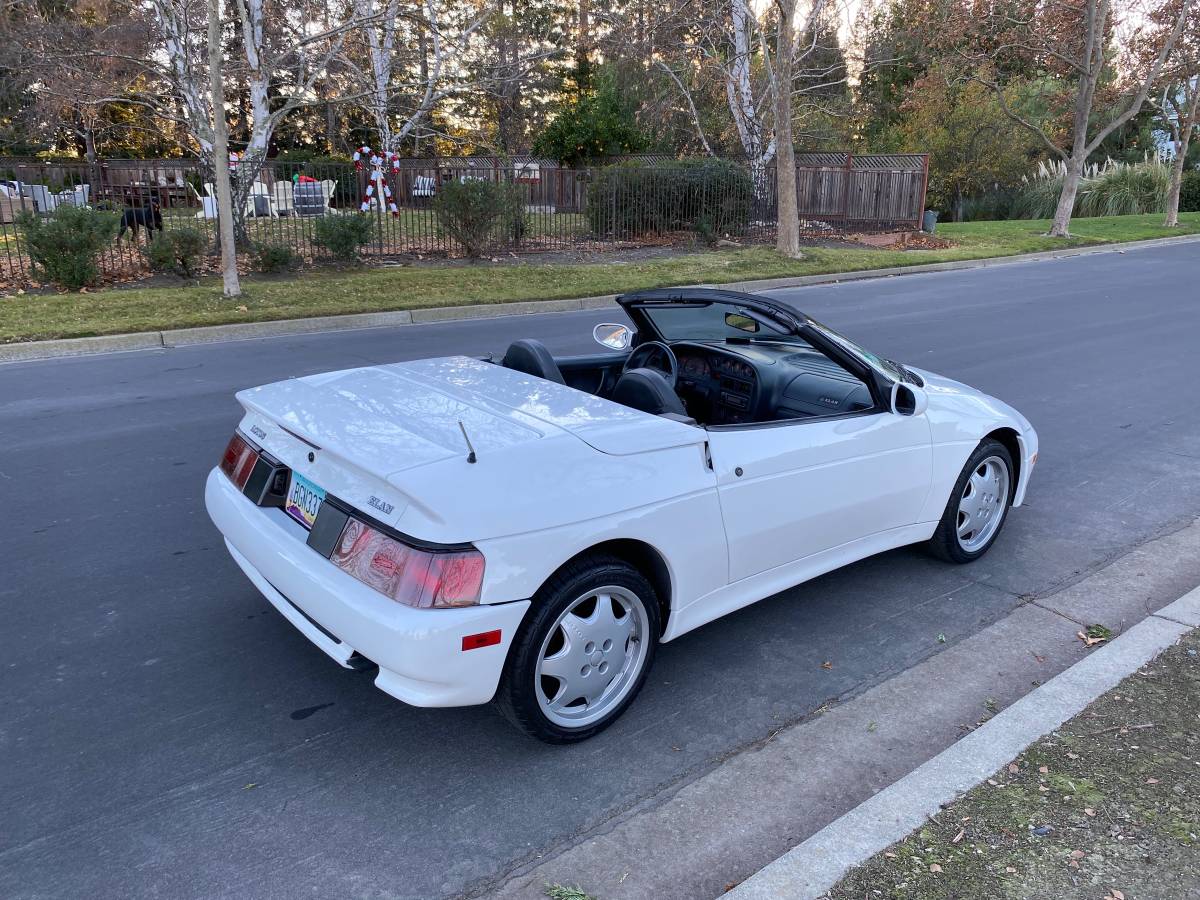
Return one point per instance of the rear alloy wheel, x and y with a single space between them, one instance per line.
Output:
978 505
584 652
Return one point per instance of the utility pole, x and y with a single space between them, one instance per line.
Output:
229 272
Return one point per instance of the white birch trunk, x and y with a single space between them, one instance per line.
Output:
220 146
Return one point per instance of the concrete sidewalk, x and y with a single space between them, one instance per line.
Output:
813 867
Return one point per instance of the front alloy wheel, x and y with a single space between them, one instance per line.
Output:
978 505
583 653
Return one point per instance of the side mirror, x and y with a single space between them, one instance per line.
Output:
614 337
908 399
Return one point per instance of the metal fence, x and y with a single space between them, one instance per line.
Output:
562 209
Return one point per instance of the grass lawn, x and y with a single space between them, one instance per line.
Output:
39 316
1107 806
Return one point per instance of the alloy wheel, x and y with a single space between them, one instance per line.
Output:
982 504
591 656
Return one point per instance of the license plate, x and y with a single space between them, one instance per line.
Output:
303 500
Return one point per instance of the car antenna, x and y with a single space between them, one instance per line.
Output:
463 428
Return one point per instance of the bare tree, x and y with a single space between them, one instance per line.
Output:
1180 105
769 64
220 147
414 56
1072 39
1179 102
282 59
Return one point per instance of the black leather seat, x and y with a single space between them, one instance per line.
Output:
649 391
532 358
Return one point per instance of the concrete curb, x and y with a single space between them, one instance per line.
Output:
811 868
183 337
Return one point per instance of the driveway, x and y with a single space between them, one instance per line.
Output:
165 733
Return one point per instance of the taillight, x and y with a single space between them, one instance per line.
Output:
407 574
239 459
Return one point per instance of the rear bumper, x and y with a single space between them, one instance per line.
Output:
418 651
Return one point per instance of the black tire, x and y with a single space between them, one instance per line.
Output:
517 697
945 542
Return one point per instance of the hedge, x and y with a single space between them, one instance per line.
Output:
709 196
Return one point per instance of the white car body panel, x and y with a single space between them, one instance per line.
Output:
793 490
558 472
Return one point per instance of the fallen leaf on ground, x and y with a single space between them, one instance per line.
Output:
1077 854
1151 781
958 837
1009 869
1117 895
1043 769
934 867
827 664
1090 641
1014 768
1088 811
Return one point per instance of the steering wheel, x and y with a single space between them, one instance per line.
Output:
644 353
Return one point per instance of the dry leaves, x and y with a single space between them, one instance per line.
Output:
1088 640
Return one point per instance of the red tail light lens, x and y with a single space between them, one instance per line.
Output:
239 459
407 574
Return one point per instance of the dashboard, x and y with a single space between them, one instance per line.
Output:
723 384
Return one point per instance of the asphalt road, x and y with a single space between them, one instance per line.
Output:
165 733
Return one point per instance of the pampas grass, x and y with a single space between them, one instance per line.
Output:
1108 189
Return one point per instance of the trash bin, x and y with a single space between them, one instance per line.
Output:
929 221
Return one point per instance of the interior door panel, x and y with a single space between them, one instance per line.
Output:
594 373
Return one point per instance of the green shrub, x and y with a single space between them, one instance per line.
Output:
1189 192
178 251
481 214
596 124
1125 189
709 196
343 236
65 246
270 258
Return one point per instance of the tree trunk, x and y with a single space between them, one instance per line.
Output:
1066 199
787 232
1187 117
229 272
1172 219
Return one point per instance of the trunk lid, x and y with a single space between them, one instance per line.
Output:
382 421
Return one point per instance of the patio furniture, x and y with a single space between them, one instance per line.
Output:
208 204
258 201
43 200
424 186
76 196
284 198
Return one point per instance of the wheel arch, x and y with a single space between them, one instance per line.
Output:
642 556
1010 438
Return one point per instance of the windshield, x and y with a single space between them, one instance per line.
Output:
711 322
892 370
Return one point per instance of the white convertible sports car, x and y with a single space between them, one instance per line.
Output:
527 532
